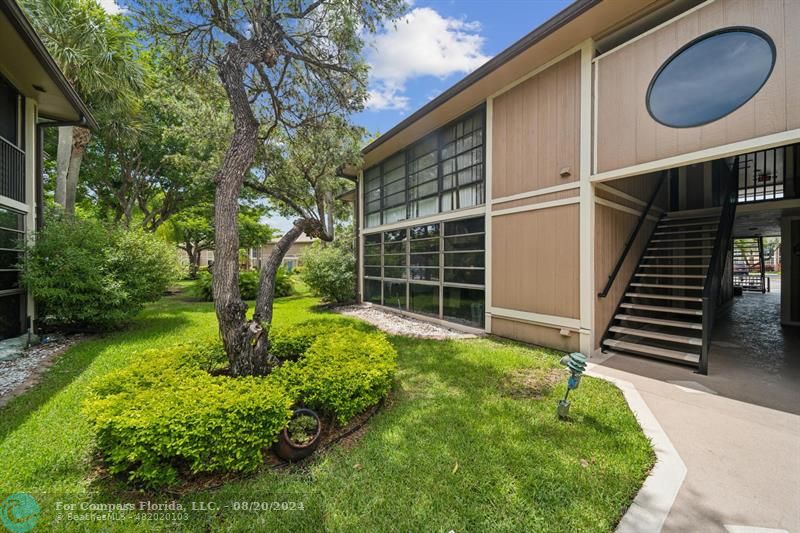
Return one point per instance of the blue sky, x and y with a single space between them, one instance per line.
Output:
436 44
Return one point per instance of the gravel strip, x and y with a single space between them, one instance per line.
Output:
20 374
397 324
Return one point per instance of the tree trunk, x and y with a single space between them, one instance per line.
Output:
80 139
194 261
266 285
244 341
63 157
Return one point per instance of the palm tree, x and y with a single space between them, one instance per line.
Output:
98 56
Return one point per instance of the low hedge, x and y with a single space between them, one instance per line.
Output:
165 414
342 373
291 342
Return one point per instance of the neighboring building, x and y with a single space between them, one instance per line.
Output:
33 94
256 256
292 259
523 200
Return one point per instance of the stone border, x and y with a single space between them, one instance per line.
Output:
652 503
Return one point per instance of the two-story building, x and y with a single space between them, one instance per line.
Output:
581 190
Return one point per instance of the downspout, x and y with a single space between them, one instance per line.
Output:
357 243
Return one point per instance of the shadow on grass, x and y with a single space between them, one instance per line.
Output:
74 362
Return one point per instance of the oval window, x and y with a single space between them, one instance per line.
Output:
711 77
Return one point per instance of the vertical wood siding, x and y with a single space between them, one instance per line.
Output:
627 135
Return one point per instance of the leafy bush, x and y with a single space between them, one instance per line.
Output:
161 416
342 374
283 283
165 415
248 285
329 270
203 285
87 276
290 342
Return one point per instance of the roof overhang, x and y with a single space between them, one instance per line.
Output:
581 20
348 196
26 63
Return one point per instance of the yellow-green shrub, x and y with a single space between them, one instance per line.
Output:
342 373
162 415
291 342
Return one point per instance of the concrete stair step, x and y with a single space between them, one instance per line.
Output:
676 257
670 287
677 223
670 265
662 309
682 231
685 239
663 297
654 351
686 276
660 321
638 332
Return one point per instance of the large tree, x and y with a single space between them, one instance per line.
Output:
164 161
97 54
282 64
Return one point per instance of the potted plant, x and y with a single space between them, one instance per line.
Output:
301 436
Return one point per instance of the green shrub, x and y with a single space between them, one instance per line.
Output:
290 342
86 276
329 270
283 283
342 374
203 285
161 416
248 284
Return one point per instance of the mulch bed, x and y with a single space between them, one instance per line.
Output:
23 373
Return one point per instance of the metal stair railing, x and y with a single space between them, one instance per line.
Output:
721 251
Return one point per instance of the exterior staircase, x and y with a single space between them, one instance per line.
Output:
661 313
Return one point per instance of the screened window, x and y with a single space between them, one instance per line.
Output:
711 77
432 269
442 172
12 296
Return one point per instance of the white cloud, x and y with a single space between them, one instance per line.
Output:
424 43
110 6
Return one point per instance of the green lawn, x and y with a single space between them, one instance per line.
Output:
453 450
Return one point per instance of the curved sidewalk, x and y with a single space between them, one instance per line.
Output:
742 461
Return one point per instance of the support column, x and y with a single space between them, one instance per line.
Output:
587 288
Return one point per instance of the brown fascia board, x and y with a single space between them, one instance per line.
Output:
561 18
31 38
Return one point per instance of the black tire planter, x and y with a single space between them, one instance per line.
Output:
288 450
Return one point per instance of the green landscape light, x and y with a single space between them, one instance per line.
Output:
576 362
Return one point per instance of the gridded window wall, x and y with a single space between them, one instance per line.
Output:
433 269
442 172
12 296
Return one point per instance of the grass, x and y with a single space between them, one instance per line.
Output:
453 449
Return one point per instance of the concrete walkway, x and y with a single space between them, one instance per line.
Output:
737 430
742 460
